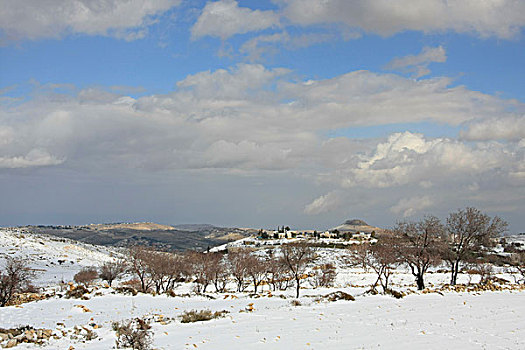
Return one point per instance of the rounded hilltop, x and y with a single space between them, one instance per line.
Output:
355 222
357 225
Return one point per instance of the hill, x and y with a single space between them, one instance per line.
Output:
163 237
357 225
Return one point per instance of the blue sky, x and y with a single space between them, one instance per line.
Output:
260 113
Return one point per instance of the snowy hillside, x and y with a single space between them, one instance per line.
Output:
54 259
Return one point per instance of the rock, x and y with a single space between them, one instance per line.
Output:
339 295
3 336
11 343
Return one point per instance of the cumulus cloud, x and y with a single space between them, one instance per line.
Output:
36 19
323 204
257 121
500 18
418 64
34 158
253 118
406 158
497 128
225 18
410 206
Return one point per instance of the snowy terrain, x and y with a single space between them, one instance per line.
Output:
54 259
445 320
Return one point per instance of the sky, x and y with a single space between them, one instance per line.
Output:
259 113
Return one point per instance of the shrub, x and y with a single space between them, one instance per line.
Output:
295 302
86 276
13 279
202 315
135 334
323 276
77 292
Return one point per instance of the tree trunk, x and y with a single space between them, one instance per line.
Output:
420 282
455 270
298 287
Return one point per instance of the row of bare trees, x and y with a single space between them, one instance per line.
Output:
160 271
428 242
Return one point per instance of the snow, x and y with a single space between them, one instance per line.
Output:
491 320
53 259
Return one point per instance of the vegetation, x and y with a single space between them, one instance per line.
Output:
86 276
15 276
202 315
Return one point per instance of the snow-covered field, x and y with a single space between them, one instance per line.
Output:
480 320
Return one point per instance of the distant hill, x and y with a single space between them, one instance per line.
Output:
173 238
357 225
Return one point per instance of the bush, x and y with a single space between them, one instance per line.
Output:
77 292
86 276
202 315
13 279
323 276
135 334
295 302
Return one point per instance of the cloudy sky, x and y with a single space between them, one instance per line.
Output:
260 113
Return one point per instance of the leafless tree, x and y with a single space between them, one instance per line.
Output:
518 262
86 276
383 260
139 265
361 255
219 272
256 270
296 257
14 277
323 275
419 245
277 274
164 270
202 268
238 268
112 270
469 229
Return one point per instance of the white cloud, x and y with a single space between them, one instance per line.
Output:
34 158
36 19
256 121
260 45
410 206
224 18
418 64
497 128
501 18
323 204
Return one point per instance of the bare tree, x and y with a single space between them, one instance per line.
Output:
237 261
86 276
323 275
518 262
164 270
14 277
419 245
296 257
112 270
139 265
277 274
383 260
256 270
469 229
361 255
202 267
219 272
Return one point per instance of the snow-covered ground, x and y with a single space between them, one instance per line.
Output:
54 259
450 320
